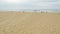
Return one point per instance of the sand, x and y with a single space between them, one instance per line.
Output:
29 23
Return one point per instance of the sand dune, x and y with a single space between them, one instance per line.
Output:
29 23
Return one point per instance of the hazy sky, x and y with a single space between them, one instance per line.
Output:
29 4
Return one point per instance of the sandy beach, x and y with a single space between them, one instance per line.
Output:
29 23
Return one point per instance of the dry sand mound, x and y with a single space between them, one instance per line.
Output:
29 23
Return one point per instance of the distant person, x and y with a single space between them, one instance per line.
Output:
23 11
42 11
35 10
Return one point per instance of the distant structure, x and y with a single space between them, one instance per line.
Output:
41 11
44 11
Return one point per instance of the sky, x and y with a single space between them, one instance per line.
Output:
29 4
